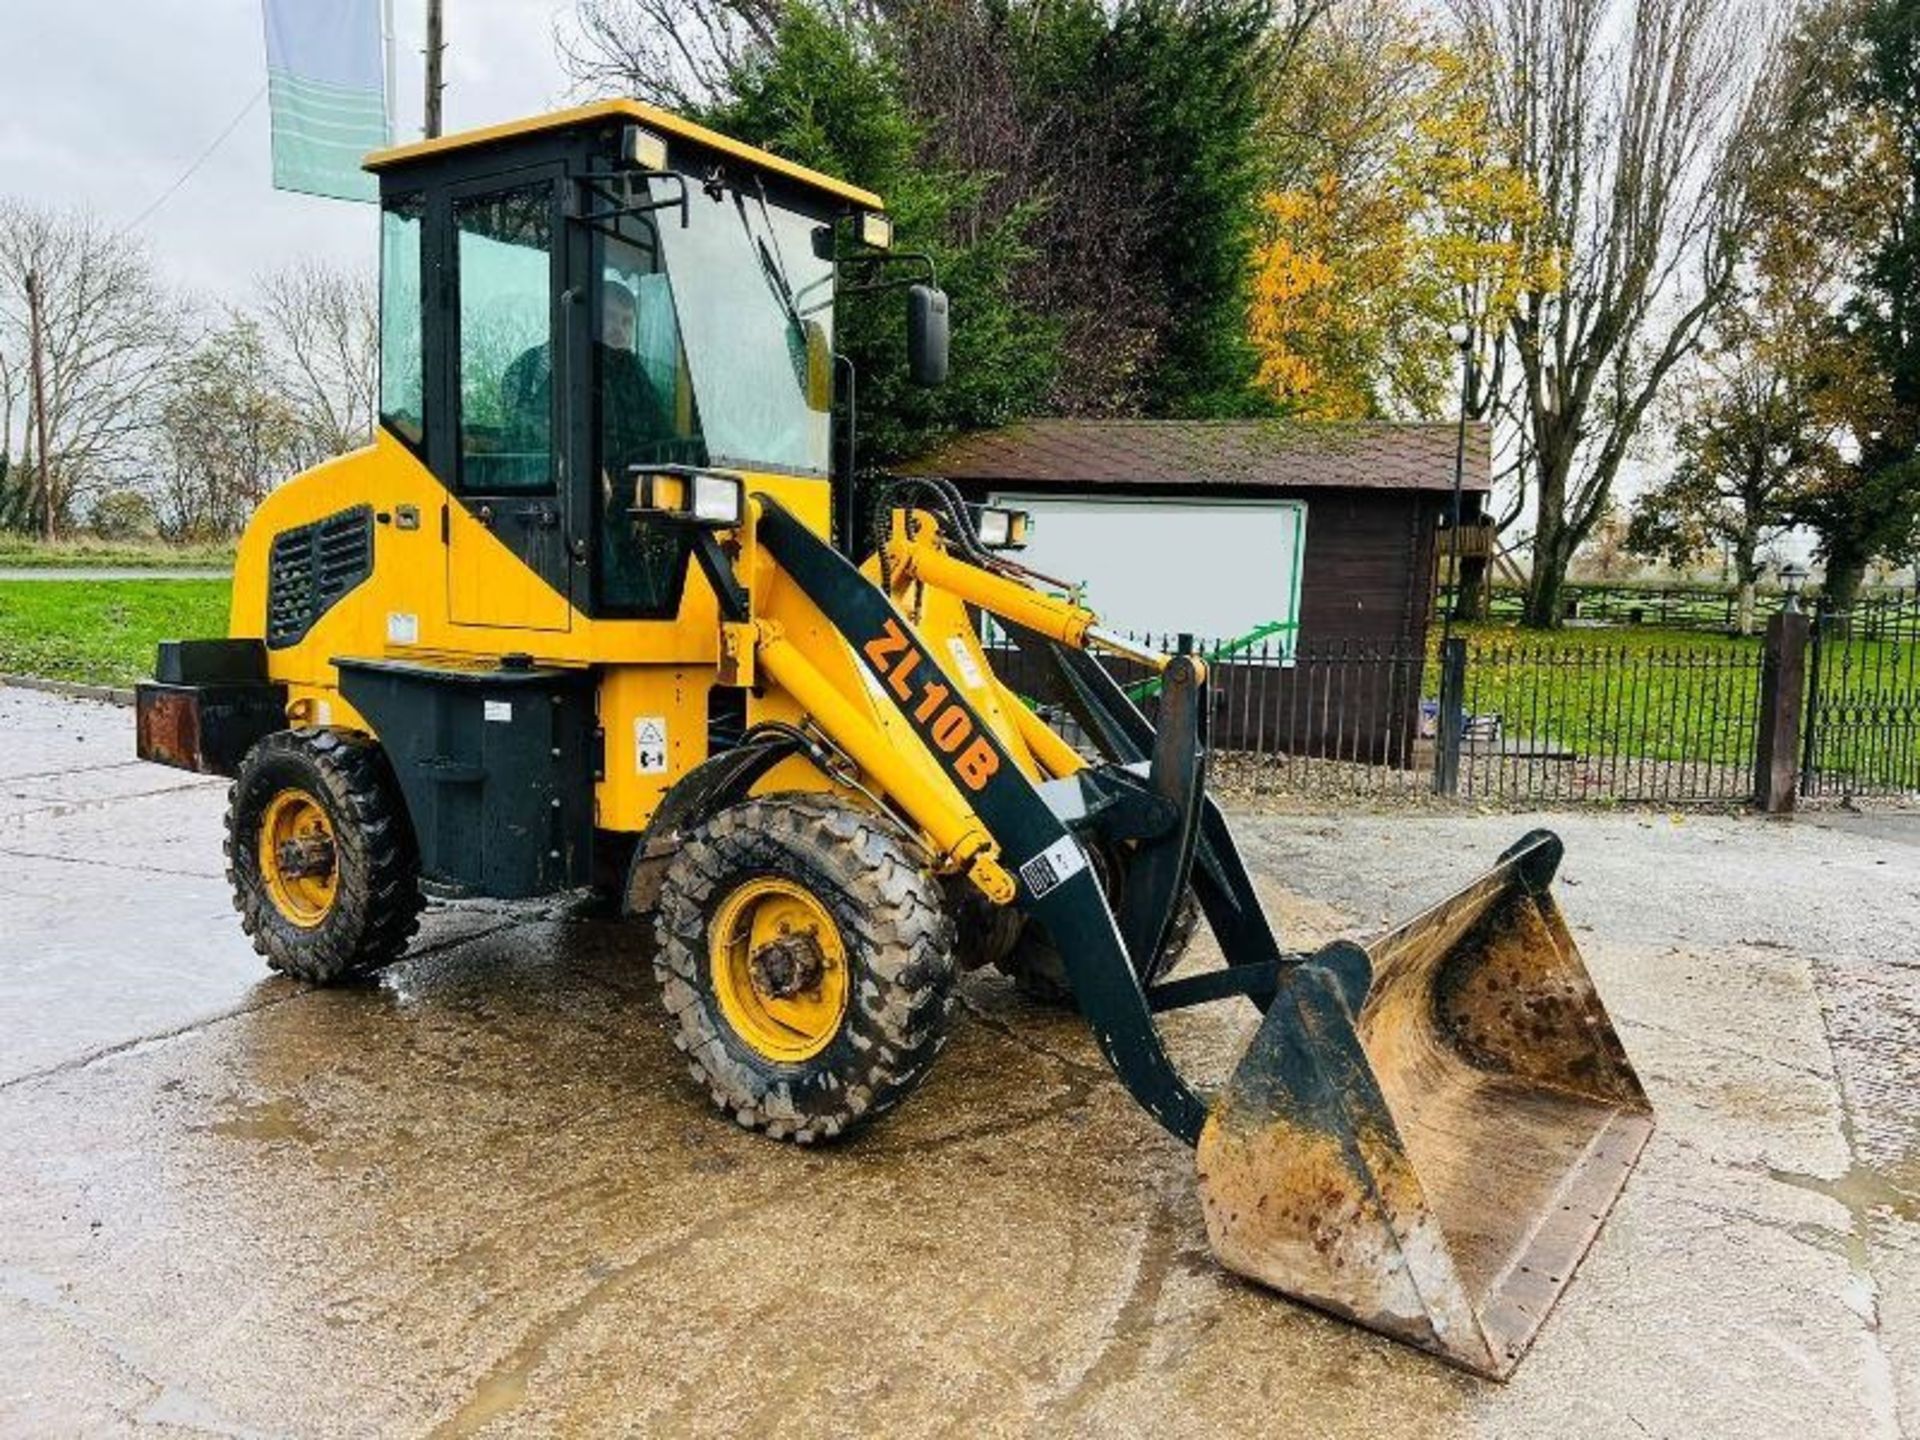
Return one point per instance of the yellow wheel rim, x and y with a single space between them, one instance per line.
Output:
779 969
297 858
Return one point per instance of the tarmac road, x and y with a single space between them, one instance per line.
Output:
479 1197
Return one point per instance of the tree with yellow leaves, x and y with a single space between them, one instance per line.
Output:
1394 217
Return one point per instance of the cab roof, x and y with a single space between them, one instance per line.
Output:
638 111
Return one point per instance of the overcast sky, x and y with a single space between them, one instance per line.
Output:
104 105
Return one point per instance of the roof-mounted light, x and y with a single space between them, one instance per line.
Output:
876 230
643 149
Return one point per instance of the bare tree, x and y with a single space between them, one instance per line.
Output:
676 53
108 329
321 329
1643 126
13 397
227 433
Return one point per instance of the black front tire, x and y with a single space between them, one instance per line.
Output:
892 920
376 901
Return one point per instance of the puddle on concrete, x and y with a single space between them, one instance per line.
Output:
266 1120
1864 1189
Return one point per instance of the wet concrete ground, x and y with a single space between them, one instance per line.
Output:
479 1197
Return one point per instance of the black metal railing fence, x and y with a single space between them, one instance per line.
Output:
1861 728
1530 720
1548 721
1710 609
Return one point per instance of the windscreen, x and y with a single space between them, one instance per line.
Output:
755 308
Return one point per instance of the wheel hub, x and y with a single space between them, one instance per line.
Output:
298 858
779 970
305 856
792 965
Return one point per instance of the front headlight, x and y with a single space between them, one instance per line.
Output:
718 500
711 498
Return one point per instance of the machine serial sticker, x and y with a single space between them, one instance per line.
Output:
499 711
402 628
650 744
963 660
1053 867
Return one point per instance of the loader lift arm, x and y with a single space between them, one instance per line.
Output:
1056 885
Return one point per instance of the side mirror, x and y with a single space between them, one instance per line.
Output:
927 334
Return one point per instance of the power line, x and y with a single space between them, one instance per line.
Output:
199 160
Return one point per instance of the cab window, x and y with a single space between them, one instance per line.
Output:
402 380
644 415
506 349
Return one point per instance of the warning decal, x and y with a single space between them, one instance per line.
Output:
1053 867
650 744
963 661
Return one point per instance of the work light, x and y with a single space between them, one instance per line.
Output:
717 499
643 149
1000 528
876 230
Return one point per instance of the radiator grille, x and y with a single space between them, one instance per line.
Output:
310 567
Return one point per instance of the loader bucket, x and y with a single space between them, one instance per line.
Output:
1427 1132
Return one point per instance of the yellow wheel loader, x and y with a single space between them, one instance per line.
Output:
600 599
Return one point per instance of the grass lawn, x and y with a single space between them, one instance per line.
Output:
85 552
102 632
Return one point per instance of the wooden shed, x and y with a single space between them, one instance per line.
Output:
1320 538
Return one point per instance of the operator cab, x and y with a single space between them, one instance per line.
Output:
571 302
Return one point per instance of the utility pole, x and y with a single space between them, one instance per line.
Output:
435 47
39 400
389 82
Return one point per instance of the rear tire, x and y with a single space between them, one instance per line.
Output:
335 890
811 1042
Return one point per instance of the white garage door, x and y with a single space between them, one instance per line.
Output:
1219 570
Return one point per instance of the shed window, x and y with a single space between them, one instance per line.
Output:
1226 572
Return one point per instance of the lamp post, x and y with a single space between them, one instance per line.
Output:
1451 721
1792 577
1462 337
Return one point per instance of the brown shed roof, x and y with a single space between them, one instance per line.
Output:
1275 454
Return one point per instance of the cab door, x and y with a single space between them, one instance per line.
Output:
509 526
